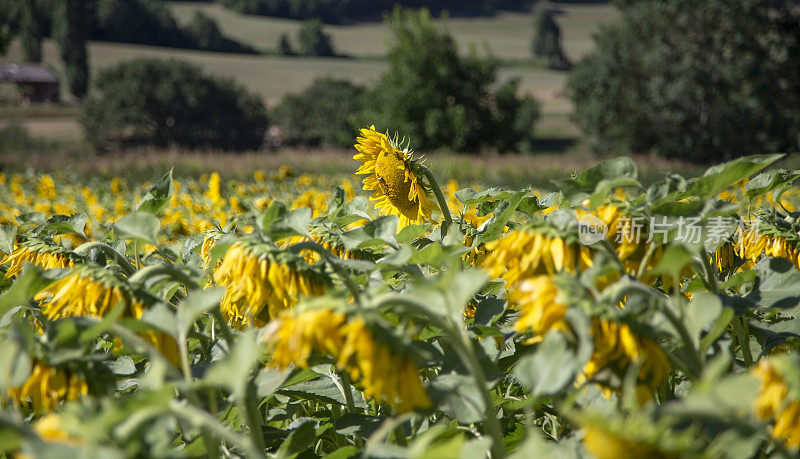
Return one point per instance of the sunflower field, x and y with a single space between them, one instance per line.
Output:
298 316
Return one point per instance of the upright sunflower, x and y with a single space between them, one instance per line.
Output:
397 190
262 281
384 374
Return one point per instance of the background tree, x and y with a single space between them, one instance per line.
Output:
71 30
313 41
703 81
443 100
162 103
29 21
324 114
206 32
547 42
285 46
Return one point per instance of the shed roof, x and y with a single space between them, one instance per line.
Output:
26 73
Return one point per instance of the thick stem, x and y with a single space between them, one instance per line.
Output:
437 191
328 257
348 393
108 251
463 347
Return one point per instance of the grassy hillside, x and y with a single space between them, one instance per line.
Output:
506 35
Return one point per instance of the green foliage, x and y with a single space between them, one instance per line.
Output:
547 38
334 11
148 101
324 114
702 81
443 100
285 46
313 41
15 138
29 21
71 31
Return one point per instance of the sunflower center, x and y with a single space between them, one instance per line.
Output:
390 169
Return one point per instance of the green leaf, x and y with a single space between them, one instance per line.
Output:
28 284
139 226
548 370
701 313
233 371
298 441
493 227
8 234
63 224
345 452
721 176
675 258
769 180
470 197
198 302
619 171
375 233
359 424
293 223
157 195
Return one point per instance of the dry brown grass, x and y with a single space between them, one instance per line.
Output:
511 170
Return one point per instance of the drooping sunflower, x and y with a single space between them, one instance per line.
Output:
540 310
753 243
384 374
397 190
261 281
47 386
39 253
616 348
525 253
93 291
777 402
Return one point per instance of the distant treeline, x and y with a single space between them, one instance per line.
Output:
342 10
146 22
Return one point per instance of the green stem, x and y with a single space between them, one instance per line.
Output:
167 270
253 416
694 354
463 347
743 336
437 191
348 393
710 277
328 257
136 253
646 259
109 252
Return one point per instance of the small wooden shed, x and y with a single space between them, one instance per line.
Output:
35 83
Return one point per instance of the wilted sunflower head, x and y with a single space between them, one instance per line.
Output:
47 255
397 190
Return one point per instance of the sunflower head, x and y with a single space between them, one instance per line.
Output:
262 280
397 190
47 386
39 252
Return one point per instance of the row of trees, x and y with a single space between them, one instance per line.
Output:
429 92
335 11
